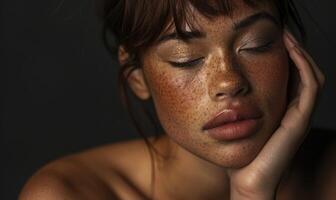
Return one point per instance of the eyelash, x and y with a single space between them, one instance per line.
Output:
260 49
191 63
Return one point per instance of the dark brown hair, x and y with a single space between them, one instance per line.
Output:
137 25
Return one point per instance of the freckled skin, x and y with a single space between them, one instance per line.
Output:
185 99
194 165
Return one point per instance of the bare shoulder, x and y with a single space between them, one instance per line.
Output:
99 173
64 179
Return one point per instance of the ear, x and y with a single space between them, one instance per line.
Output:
136 78
136 81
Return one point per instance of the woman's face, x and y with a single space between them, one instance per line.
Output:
234 62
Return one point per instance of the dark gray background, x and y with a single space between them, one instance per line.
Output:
59 92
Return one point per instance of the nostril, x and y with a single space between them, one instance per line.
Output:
233 92
220 94
241 90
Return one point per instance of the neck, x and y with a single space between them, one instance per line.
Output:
182 175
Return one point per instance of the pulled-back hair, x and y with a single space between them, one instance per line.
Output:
137 25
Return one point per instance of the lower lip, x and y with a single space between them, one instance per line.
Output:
235 130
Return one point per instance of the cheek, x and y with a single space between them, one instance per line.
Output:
176 95
269 79
182 104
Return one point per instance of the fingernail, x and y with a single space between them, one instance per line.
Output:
288 40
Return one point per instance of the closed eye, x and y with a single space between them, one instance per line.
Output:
189 63
259 49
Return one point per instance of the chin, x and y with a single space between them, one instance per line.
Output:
235 154
239 159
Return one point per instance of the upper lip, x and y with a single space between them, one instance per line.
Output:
232 114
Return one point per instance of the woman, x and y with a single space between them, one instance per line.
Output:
233 91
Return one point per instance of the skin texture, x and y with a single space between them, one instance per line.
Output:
186 98
229 74
193 165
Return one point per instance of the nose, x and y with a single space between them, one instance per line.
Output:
227 82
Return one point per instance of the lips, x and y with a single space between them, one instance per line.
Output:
233 122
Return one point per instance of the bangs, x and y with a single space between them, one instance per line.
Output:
135 25
138 24
181 12
141 22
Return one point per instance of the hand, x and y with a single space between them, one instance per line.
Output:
260 179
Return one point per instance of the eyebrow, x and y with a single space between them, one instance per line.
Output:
252 19
244 23
188 35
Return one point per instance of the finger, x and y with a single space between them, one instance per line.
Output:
319 75
309 83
